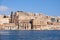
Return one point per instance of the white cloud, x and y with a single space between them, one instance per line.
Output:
3 8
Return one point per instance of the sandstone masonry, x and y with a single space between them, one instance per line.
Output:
29 21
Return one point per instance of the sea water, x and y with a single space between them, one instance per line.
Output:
29 35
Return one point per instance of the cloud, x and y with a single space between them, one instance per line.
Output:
3 8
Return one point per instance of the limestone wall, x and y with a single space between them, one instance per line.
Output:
26 21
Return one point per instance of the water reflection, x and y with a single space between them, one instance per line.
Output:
29 35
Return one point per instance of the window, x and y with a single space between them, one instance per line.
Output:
57 20
53 19
4 16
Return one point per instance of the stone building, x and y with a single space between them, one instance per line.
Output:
5 23
29 21
4 19
33 21
9 26
22 20
25 25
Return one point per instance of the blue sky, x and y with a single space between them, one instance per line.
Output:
48 7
